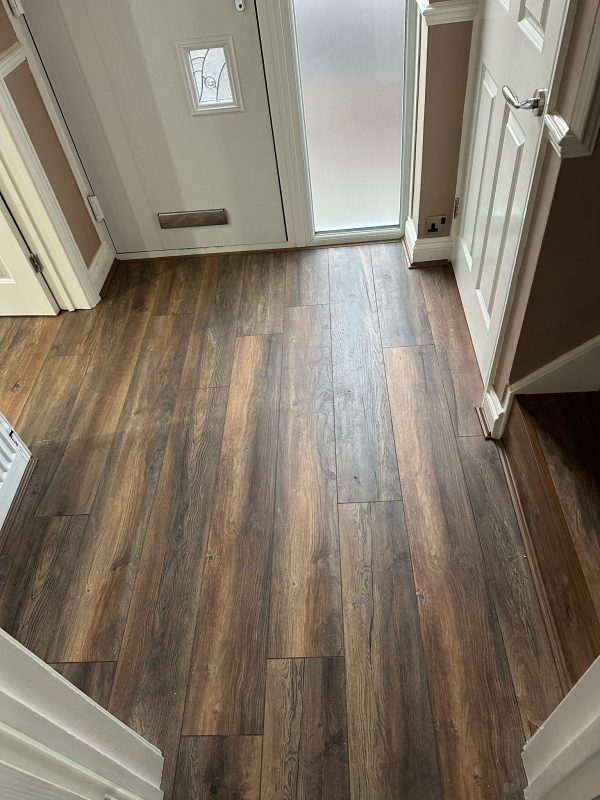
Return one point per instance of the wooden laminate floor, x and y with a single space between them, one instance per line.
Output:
265 530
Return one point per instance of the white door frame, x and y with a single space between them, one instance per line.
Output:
562 759
29 195
55 742
278 37
578 139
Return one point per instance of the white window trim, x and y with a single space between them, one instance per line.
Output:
226 42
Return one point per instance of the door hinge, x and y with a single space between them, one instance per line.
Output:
96 207
16 7
456 207
36 263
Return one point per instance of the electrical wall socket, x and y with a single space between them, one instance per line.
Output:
438 226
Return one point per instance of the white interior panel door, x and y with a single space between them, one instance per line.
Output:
22 290
515 44
168 107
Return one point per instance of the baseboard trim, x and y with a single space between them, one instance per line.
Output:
101 264
16 502
421 251
536 574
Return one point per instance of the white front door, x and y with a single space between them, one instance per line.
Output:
515 44
168 107
22 290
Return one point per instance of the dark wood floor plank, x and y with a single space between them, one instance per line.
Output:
460 372
530 658
218 768
306 277
479 729
43 426
366 462
212 343
390 728
85 622
179 286
96 412
570 602
568 428
154 659
94 678
305 751
400 303
23 361
226 688
261 309
305 616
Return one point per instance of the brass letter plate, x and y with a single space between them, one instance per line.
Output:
193 219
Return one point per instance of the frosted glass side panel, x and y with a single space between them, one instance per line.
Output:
351 55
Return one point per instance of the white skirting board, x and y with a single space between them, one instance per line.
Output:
14 457
101 264
421 250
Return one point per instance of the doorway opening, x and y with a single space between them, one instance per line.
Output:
351 64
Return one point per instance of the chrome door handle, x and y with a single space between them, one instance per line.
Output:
535 103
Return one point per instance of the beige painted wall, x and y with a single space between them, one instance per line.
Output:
443 74
32 110
557 300
7 32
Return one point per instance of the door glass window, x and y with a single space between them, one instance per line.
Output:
210 75
351 58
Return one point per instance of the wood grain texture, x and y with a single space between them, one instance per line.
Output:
306 277
305 751
28 606
390 729
305 616
43 425
566 590
401 306
473 701
95 414
366 461
154 659
212 342
261 309
568 429
462 380
528 649
23 360
226 687
87 624
179 286
218 768
94 678
8 329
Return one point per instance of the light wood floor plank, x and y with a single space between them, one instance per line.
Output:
400 303
472 697
305 617
23 360
154 659
462 380
391 735
305 741
306 277
212 342
366 462
263 295
226 687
